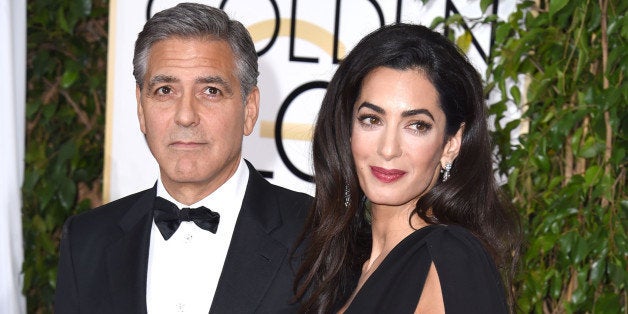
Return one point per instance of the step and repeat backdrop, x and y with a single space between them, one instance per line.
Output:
299 43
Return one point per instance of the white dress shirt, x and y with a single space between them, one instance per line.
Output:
183 272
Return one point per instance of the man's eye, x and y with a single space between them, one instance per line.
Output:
164 90
212 91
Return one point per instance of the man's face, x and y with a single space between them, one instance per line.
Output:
190 110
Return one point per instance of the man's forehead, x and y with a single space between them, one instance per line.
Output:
196 58
178 41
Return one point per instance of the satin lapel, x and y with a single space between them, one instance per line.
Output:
127 257
254 257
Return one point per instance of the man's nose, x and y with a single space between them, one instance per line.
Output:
187 111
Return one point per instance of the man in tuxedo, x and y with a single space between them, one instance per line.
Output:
212 235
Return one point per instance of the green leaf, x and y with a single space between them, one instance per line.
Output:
516 94
567 242
455 19
32 108
437 21
593 175
545 243
560 76
30 180
582 249
69 77
502 31
67 151
48 111
598 268
592 147
63 23
464 41
607 303
617 274
484 4
39 224
556 286
67 193
46 243
52 277
46 192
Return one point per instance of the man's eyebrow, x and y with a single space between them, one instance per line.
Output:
216 80
158 79
161 79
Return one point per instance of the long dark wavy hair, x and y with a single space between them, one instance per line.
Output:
337 235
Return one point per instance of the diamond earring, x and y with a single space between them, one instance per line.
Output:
445 172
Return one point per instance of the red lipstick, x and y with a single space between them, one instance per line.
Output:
387 175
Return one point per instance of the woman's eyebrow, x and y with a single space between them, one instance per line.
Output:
415 112
373 107
405 114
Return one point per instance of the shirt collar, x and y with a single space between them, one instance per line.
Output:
228 196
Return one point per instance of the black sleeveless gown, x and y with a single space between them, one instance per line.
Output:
469 280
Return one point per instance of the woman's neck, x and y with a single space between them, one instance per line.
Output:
390 225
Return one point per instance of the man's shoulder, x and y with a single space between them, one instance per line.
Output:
286 194
282 195
111 211
267 189
292 205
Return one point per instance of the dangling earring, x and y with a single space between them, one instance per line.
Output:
347 196
445 172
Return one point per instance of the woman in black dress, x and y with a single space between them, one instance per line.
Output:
408 217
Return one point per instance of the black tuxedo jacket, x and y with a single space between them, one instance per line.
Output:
104 254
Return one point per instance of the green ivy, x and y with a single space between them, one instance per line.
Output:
567 175
67 50
563 64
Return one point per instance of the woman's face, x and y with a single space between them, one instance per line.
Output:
397 137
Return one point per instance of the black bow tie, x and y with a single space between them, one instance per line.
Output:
168 217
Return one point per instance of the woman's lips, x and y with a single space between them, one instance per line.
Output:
387 175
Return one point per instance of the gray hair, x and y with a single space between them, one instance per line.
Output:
193 20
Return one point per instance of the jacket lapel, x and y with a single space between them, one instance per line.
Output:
127 257
254 256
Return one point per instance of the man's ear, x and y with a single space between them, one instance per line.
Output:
140 109
251 110
452 147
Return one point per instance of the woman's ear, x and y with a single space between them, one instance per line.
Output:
452 147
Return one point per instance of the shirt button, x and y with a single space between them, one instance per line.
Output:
188 238
180 307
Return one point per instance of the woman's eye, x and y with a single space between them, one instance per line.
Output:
368 120
421 127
